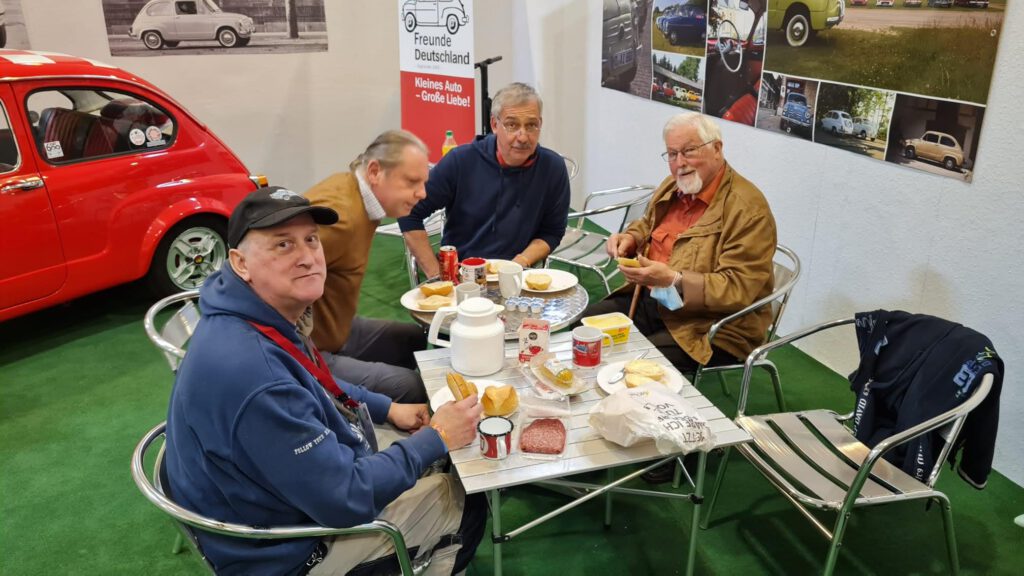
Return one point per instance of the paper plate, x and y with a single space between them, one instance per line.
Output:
672 379
560 280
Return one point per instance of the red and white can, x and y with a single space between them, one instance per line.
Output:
474 270
495 437
449 260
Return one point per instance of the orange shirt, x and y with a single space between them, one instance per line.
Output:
683 212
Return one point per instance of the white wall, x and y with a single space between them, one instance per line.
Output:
871 235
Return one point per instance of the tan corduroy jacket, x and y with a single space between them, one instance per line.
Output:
726 263
347 252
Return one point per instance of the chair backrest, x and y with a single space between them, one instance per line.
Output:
787 272
152 487
172 337
571 166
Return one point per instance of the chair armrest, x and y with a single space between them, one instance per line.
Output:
761 351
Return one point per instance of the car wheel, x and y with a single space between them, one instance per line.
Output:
910 153
410 22
452 24
835 132
227 37
863 135
949 163
170 44
153 40
673 38
3 36
788 128
798 29
188 254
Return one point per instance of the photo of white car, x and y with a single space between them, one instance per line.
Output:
865 128
837 122
165 23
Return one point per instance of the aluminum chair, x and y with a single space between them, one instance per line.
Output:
152 487
787 272
173 335
434 226
571 167
815 461
584 248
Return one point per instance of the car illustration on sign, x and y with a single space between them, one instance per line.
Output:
448 13
937 147
105 179
163 23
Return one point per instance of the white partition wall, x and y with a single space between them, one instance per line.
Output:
871 235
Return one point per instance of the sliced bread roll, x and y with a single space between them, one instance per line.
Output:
500 400
634 380
538 281
434 302
648 368
437 288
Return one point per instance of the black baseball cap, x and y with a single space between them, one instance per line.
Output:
269 207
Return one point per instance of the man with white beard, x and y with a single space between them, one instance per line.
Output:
704 249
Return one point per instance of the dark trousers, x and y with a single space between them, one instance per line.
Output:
648 321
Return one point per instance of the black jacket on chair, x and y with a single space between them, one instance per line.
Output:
913 367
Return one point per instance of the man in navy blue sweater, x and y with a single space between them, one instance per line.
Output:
504 195
260 433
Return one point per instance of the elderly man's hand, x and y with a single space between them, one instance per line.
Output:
459 420
620 245
650 273
408 417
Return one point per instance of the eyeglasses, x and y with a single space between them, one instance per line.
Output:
688 153
512 127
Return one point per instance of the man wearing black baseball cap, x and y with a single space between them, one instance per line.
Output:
260 433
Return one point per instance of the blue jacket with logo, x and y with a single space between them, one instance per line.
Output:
493 211
914 367
252 438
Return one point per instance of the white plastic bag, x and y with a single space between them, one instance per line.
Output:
649 411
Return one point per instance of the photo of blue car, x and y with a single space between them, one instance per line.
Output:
684 23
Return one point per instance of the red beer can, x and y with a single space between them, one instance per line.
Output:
449 260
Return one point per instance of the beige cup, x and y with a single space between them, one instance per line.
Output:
466 290
510 279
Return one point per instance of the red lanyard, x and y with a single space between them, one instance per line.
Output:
318 370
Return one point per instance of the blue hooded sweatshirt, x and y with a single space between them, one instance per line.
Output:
253 438
493 211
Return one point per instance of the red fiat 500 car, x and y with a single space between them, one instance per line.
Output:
104 179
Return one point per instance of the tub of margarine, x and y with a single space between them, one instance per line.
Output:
614 324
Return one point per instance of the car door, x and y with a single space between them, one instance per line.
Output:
426 11
929 147
31 259
191 21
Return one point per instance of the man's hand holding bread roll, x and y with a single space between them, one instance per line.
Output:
457 421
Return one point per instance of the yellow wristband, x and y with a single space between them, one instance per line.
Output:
440 432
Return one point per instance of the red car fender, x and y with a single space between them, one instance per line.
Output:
170 217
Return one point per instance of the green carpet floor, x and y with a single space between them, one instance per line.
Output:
80 384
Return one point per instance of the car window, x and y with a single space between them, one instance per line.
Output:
947 141
931 137
162 9
9 157
72 124
185 7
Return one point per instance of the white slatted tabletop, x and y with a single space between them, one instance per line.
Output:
586 450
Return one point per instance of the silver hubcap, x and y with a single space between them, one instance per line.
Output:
195 254
797 30
227 38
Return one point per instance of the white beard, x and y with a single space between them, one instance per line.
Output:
689 184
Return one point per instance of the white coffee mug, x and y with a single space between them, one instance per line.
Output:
510 279
465 291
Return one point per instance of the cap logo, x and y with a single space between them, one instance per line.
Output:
283 194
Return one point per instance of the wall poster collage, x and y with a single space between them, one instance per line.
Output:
904 81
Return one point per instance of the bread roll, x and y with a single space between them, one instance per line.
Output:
434 302
459 386
538 281
648 368
493 265
634 380
437 288
500 400
628 262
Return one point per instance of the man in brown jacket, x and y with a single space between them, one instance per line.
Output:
709 236
386 180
